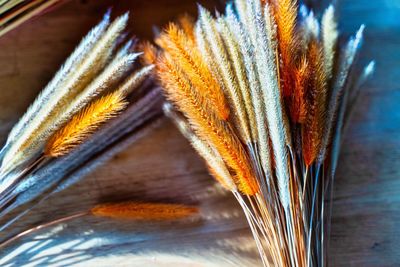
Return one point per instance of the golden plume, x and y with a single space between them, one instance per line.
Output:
285 12
84 123
187 24
208 127
143 211
187 56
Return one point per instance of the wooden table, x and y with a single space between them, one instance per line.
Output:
163 167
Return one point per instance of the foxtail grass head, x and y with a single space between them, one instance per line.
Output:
85 123
143 211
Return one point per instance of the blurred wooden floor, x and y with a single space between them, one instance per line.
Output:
162 166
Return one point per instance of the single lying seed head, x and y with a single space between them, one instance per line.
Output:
143 211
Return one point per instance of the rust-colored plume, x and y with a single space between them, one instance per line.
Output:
143 211
84 123
187 24
315 101
186 55
297 104
206 124
285 12
150 53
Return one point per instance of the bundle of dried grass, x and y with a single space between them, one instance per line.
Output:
263 90
15 12
68 128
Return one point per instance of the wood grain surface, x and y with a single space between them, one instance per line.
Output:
163 167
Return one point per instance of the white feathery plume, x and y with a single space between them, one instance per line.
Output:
310 27
303 11
329 39
346 60
266 66
241 9
107 79
248 52
233 48
213 38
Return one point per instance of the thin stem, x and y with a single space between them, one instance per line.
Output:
305 183
322 217
312 214
39 227
2 151
246 208
250 220
27 170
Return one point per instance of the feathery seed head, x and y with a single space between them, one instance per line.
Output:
206 125
83 124
329 39
150 53
186 55
316 98
143 211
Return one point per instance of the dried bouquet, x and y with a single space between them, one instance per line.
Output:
97 103
263 92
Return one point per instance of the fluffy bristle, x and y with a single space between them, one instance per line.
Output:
150 53
186 55
83 124
285 12
211 42
329 38
143 211
316 104
297 104
180 91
